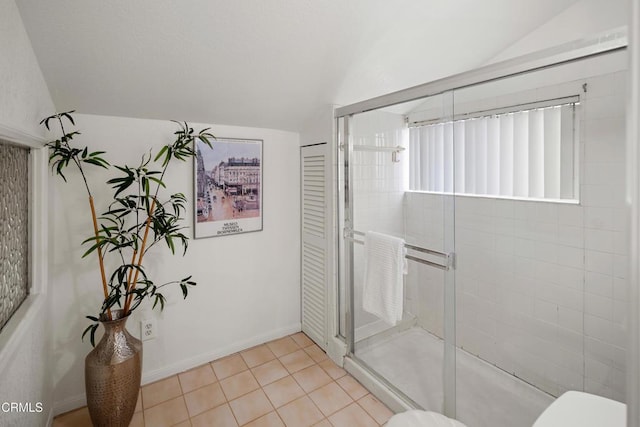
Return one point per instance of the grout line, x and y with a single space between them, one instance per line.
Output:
260 387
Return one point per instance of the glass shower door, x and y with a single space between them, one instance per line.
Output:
386 192
540 240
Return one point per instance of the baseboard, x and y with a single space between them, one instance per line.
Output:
69 404
192 362
50 418
80 400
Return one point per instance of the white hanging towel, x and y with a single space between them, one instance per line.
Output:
384 266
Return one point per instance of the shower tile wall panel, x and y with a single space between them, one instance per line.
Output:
541 287
377 188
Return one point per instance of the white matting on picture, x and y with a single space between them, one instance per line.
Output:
228 187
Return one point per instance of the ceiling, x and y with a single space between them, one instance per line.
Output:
261 63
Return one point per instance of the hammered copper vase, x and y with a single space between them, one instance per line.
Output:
112 373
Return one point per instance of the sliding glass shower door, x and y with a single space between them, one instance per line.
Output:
412 350
540 240
507 186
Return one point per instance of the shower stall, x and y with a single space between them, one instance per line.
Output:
507 185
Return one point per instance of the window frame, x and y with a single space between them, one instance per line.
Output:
578 100
20 323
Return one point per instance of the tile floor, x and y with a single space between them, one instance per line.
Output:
287 382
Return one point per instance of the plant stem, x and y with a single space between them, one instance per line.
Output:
75 160
100 260
95 221
132 285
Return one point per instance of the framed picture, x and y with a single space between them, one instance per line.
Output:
227 187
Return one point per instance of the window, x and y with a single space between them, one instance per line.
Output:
528 151
14 229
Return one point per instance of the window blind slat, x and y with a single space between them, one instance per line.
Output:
470 156
536 153
493 156
568 155
506 155
552 152
439 157
459 156
448 157
521 154
481 156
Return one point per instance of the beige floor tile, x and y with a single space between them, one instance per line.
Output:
352 416
283 346
270 420
250 406
269 372
375 408
257 355
204 398
332 369
352 387
330 398
229 366
78 418
301 412
238 385
166 414
312 378
196 378
283 391
315 353
302 339
296 361
137 420
227 392
218 417
139 402
160 391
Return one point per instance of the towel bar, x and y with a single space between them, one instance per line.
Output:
446 265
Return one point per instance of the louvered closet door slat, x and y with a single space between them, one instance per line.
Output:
314 242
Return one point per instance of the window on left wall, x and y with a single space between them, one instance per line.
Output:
14 229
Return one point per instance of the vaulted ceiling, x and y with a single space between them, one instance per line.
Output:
262 63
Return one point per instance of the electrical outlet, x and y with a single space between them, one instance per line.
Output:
148 329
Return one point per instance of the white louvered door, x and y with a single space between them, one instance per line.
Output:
315 190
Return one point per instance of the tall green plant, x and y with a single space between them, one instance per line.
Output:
136 219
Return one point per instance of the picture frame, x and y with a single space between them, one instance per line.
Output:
227 190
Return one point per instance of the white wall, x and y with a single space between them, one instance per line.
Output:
248 284
25 97
581 20
25 356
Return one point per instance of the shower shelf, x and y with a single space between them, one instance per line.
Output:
447 263
393 150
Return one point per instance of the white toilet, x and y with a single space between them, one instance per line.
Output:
578 409
572 409
416 418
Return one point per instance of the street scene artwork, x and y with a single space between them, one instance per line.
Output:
228 187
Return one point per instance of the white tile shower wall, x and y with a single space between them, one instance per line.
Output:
541 287
377 187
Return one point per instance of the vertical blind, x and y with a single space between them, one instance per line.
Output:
530 153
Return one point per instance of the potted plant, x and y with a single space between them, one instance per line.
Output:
136 220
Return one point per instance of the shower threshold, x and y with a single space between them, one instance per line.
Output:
412 360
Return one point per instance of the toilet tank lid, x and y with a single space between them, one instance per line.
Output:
579 409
